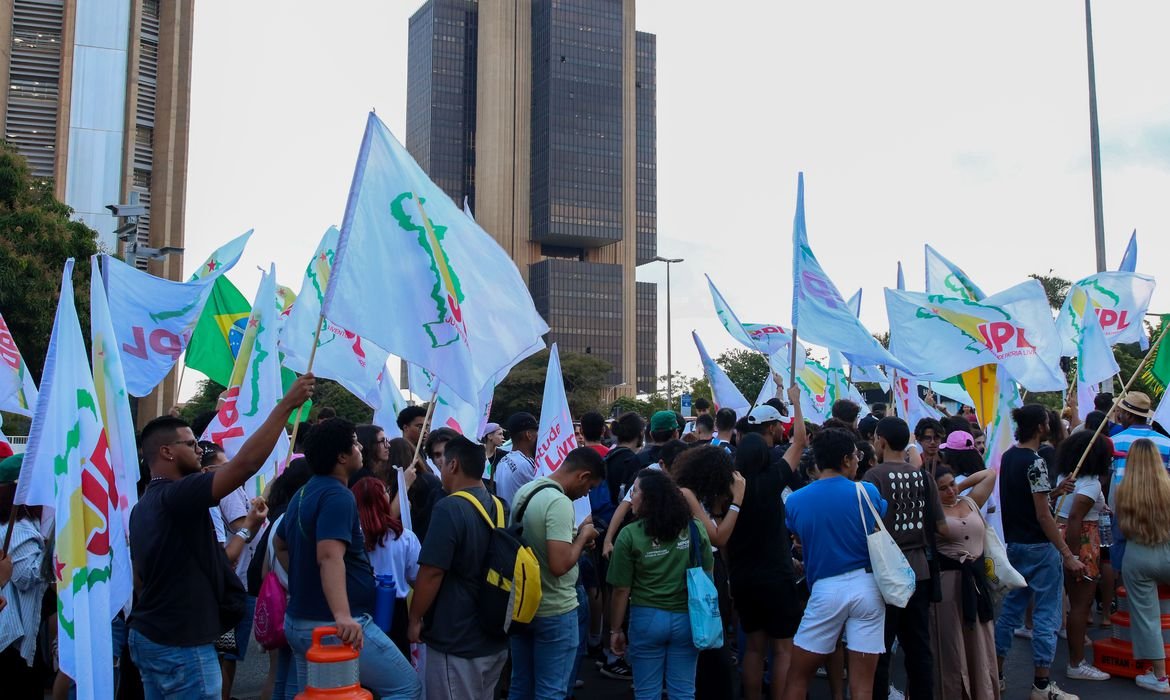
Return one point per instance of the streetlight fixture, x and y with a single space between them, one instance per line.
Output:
669 371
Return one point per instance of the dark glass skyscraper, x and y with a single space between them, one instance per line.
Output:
542 114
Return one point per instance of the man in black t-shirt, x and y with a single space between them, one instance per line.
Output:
464 660
182 576
1035 547
761 572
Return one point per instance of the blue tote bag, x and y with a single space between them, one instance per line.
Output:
702 600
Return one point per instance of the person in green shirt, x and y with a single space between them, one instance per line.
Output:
648 573
543 655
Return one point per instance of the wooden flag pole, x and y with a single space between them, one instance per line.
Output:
426 422
1116 400
292 443
792 368
8 534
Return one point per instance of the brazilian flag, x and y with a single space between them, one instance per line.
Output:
215 342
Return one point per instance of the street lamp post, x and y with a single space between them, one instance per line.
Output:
669 370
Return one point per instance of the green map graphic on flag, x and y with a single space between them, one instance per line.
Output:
446 292
1157 372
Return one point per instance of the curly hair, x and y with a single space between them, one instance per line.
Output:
707 471
1097 462
663 510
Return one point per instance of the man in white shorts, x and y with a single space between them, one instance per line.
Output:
825 518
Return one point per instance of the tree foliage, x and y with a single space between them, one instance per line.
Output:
586 382
36 236
747 370
1056 288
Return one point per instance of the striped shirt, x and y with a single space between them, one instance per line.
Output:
21 618
1121 444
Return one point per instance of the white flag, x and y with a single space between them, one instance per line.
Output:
154 317
555 436
460 308
342 355
726 394
18 392
255 388
67 470
390 403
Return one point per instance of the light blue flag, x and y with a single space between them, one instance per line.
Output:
1120 300
940 337
943 277
727 395
768 338
819 312
455 302
865 373
901 277
1129 260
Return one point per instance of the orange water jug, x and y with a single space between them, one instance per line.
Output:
333 670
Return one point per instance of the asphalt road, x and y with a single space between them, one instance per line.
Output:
250 677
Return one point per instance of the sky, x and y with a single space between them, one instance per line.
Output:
965 126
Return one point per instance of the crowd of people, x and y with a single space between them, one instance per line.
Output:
777 514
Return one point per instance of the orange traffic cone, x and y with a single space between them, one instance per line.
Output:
333 670
1115 654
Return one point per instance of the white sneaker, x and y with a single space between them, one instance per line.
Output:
1085 671
1023 633
1052 692
1151 682
896 694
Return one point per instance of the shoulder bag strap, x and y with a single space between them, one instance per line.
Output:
862 494
499 521
519 514
696 558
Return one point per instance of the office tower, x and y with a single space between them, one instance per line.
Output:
95 94
541 113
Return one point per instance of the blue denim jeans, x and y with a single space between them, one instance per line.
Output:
176 673
543 657
286 675
661 646
382 668
582 634
1040 565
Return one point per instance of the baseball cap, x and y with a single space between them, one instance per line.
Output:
959 440
489 429
10 468
663 420
763 414
519 422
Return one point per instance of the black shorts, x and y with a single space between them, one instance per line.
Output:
773 608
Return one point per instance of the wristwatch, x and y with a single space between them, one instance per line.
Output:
244 534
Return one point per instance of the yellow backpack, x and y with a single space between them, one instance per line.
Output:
510 584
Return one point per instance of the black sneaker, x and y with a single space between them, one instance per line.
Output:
619 670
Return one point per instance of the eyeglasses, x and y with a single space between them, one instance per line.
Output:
384 441
931 438
189 443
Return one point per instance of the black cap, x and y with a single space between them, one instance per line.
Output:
519 422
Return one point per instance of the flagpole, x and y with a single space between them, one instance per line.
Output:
8 534
292 443
426 421
792 368
1116 400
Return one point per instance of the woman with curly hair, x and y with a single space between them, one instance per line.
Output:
709 482
1077 515
1143 516
392 550
648 573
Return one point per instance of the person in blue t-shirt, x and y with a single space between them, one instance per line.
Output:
826 518
330 580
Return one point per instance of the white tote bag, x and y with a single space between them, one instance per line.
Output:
1001 575
895 577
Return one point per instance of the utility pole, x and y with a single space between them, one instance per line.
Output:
1095 145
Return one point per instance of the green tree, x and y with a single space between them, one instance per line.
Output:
36 236
329 393
586 382
1056 288
747 370
206 399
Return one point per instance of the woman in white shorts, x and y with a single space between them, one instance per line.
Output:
825 517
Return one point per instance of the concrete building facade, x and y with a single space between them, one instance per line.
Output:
541 114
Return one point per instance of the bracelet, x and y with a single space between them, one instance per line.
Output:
733 508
